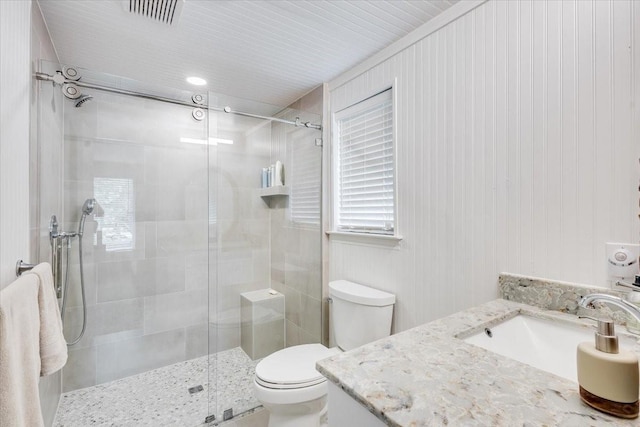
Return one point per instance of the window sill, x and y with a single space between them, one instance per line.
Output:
364 238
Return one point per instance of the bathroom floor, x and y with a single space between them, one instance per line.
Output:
161 397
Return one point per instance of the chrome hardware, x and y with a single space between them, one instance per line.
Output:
587 301
21 267
71 91
83 99
198 114
70 73
58 79
198 99
606 339
56 255
635 286
631 309
57 239
53 226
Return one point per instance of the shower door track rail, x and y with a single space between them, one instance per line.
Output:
50 78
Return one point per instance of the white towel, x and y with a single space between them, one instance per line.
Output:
53 347
20 353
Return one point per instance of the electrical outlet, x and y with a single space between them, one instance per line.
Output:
622 260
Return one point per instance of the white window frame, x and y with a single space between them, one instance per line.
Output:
335 154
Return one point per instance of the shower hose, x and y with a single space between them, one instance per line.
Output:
65 288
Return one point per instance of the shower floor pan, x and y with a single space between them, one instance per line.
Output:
161 397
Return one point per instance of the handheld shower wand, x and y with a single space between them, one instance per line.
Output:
87 209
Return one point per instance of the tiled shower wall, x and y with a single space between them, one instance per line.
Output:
145 250
295 222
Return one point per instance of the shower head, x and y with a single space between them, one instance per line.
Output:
87 209
89 205
83 99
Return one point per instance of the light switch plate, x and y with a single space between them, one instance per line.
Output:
622 260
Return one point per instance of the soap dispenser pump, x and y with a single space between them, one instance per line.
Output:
608 376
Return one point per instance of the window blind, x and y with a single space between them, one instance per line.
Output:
305 181
116 197
365 166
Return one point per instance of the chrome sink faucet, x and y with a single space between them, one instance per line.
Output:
587 301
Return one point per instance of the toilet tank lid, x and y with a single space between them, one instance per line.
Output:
360 294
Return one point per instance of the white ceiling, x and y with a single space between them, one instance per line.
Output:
271 51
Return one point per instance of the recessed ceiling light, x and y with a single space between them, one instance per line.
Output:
196 81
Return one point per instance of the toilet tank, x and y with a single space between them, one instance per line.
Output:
359 314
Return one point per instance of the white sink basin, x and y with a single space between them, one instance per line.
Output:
543 344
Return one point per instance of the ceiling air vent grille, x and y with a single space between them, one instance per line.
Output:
165 11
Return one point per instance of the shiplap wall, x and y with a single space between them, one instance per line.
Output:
518 147
15 84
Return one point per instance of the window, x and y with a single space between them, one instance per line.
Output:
118 226
364 200
306 164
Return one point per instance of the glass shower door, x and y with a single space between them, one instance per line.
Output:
181 251
267 246
143 358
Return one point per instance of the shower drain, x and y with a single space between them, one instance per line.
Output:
196 389
227 414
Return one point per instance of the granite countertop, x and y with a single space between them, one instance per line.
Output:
428 376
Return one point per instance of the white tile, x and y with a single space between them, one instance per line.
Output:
175 310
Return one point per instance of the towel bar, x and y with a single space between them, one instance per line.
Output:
21 267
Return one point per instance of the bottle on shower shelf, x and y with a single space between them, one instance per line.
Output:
279 174
272 170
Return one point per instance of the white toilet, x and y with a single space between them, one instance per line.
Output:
287 383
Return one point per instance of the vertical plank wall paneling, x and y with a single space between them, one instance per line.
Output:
15 84
517 138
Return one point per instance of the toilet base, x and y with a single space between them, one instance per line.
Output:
306 414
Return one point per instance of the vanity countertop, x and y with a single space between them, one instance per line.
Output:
428 376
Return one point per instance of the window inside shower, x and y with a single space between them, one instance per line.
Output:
116 224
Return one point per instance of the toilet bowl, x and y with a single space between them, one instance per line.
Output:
289 387
287 383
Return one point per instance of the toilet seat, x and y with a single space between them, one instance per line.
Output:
278 386
293 367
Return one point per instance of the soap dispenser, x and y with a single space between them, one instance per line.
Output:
608 377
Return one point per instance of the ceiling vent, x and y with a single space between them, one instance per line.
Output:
165 11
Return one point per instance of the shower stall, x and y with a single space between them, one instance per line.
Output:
179 242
